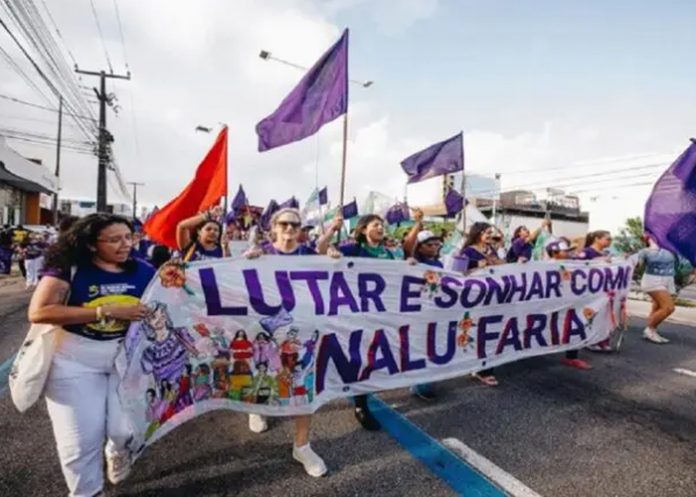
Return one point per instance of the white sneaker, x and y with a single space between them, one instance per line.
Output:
653 336
118 467
313 464
257 423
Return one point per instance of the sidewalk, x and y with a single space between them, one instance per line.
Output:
682 315
11 284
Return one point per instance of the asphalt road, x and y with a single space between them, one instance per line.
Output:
625 429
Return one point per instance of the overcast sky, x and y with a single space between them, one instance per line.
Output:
590 86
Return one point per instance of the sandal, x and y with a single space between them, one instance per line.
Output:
489 381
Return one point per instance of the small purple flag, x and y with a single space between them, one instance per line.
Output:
240 199
350 210
397 213
290 203
454 202
323 196
670 213
441 158
320 97
272 208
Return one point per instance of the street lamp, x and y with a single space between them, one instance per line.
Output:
266 55
203 129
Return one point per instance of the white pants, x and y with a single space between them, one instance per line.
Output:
84 409
34 267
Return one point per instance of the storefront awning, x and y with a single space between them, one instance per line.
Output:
24 174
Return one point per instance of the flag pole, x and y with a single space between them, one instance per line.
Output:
226 182
463 220
345 151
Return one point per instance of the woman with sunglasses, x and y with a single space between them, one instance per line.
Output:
522 243
369 242
477 249
285 231
201 237
92 288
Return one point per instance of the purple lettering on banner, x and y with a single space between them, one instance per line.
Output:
407 293
312 278
348 367
495 290
536 289
572 325
373 294
405 348
433 356
211 293
553 283
469 285
511 336
613 280
483 335
596 280
340 294
446 289
627 277
518 287
381 344
553 326
287 297
574 284
536 324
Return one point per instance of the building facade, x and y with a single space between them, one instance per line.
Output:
26 189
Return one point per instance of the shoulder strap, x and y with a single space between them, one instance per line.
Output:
190 251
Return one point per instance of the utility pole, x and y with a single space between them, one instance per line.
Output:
60 135
104 136
135 197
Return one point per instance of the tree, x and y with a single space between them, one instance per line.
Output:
630 239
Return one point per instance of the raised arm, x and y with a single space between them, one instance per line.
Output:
324 240
411 238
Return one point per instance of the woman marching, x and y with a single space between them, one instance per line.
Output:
477 249
369 242
285 230
523 240
201 237
91 263
658 282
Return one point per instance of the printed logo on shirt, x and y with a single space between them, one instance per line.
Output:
113 325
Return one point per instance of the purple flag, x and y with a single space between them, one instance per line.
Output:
240 199
323 196
438 159
230 218
397 213
670 213
290 203
320 97
350 210
272 208
454 202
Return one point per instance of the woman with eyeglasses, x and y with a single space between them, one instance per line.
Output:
92 288
522 243
201 237
369 242
285 231
477 249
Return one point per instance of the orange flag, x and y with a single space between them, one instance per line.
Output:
203 192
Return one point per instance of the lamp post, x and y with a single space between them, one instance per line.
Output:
266 55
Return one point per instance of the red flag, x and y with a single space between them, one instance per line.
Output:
203 192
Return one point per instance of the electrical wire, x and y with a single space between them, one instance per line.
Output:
60 35
120 31
101 35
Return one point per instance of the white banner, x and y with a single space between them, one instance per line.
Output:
285 335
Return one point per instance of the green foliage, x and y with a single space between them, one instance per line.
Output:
629 240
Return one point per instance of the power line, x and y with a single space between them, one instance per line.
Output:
60 35
120 31
23 75
584 164
101 35
42 107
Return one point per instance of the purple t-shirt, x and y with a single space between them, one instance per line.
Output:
92 287
299 250
520 248
589 253
200 253
34 250
474 257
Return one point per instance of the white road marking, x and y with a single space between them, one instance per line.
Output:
685 372
508 483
